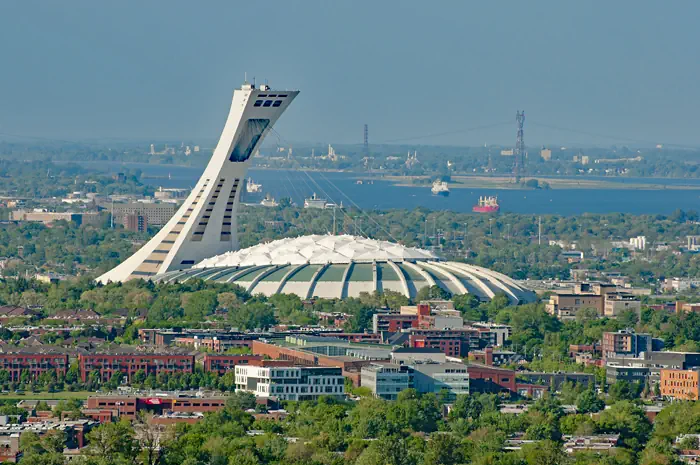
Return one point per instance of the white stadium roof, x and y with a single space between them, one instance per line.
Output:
346 266
318 249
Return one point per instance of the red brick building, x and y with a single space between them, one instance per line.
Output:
484 378
393 322
35 363
451 346
452 342
223 363
128 406
130 363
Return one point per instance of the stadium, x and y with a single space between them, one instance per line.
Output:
344 266
200 240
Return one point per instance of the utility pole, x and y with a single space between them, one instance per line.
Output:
425 234
111 216
334 229
539 230
464 238
491 227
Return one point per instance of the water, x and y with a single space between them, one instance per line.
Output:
337 187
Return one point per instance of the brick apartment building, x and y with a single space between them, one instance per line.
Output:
33 362
393 322
452 342
129 363
625 343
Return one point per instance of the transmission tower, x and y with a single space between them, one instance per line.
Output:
519 161
366 149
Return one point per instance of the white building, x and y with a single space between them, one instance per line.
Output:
638 243
290 383
436 377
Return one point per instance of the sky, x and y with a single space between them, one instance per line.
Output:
424 72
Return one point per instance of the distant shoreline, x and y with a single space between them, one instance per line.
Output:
503 182
465 181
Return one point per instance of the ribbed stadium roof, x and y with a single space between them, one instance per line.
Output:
345 266
317 249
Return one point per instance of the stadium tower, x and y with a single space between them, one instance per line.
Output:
205 224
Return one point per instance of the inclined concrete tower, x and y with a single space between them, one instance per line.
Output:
205 224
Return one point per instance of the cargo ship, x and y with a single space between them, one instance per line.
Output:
440 188
315 202
487 204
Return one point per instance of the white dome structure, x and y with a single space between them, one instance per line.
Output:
344 266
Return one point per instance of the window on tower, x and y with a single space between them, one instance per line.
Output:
250 135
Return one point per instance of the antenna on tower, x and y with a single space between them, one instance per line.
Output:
519 161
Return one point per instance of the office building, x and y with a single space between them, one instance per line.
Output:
436 377
680 384
387 380
290 383
155 213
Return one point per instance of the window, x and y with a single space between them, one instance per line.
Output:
250 135
257 103
267 103
277 103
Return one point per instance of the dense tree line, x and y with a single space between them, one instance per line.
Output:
507 243
414 430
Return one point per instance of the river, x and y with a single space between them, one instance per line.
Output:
337 187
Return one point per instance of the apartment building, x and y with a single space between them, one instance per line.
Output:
129 363
625 343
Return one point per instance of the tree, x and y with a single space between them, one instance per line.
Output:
443 449
588 402
624 390
241 401
113 441
629 421
432 293
199 304
543 453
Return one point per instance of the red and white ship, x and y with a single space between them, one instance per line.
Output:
487 204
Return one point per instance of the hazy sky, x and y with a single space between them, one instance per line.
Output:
166 69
